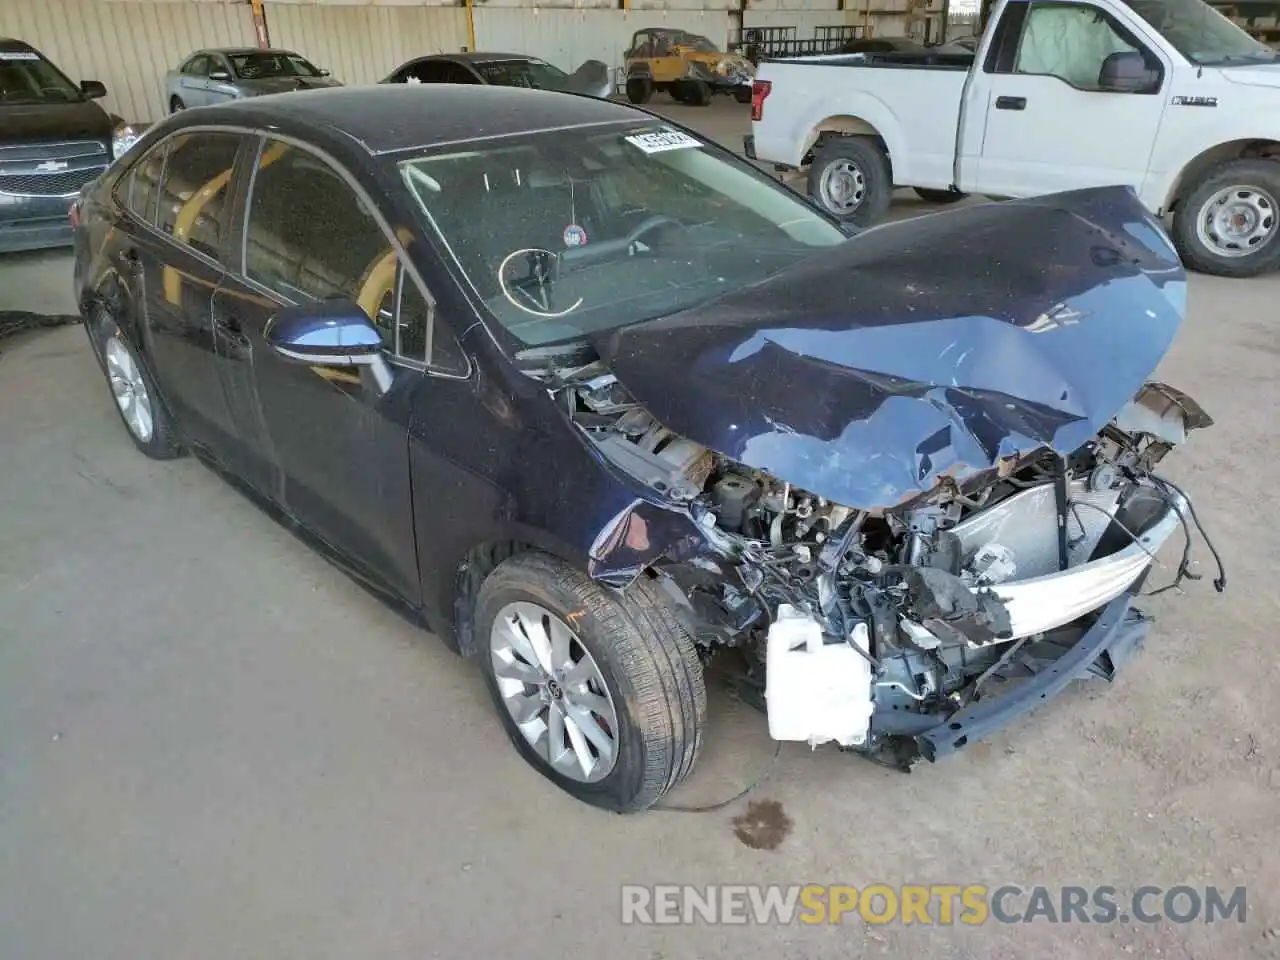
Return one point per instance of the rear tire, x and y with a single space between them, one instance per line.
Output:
176 105
639 89
133 389
1227 222
938 196
633 677
850 179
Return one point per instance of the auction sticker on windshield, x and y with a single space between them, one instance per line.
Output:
663 140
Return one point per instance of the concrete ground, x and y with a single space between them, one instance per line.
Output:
213 744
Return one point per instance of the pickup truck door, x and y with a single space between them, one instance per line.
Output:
1045 123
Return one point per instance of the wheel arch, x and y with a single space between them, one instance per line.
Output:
1189 172
850 125
480 561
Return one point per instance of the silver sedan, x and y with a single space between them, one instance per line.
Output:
215 76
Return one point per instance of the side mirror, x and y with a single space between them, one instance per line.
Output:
329 333
220 75
92 89
1128 72
323 72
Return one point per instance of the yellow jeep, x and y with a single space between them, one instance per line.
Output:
687 66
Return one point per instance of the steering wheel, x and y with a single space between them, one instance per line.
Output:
607 249
649 224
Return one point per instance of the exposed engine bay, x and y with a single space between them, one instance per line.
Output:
875 626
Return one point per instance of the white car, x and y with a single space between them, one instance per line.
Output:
1165 96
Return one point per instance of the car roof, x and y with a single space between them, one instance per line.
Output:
7 43
238 50
388 117
475 56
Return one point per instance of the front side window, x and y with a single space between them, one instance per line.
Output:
1070 42
566 233
522 73
27 77
197 66
259 66
310 236
194 203
1200 33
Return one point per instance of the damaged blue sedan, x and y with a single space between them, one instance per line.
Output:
600 404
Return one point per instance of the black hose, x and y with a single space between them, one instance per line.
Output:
1220 582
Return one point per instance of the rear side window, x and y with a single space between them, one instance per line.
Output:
310 236
140 188
194 203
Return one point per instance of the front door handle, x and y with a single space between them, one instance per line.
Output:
1011 103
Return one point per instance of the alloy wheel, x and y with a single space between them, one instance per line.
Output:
129 389
554 691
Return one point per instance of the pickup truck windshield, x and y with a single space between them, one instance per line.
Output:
259 66
1200 33
26 77
522 73
571 232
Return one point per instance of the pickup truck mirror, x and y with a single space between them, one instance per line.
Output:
1128 72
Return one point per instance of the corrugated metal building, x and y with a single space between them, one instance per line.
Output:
129 44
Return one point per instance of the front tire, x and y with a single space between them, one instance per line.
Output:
850 178
639 89
134 391
601 692
1227 223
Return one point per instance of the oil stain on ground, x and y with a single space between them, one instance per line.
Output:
763 826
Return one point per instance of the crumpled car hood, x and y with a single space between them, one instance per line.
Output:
936 347
267 85
592 79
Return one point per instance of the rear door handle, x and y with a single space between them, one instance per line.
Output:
1011 103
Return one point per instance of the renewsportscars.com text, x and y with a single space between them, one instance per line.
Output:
933 904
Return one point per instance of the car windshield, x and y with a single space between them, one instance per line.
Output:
567 233
259 66
522 73
26 77
1200 33
700 44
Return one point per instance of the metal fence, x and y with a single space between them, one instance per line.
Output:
758 43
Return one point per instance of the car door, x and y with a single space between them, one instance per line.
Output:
327 443
1048 125
194 81
174 254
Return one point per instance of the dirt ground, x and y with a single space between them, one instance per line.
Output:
214 744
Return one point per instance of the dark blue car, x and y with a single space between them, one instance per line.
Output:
596 400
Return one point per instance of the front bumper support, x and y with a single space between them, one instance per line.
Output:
1101 651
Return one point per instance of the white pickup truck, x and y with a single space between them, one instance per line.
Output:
1166 96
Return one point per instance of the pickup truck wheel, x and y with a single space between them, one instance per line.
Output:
1227 223
938 196
742 94
850 178
693 92
601 692
639 90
